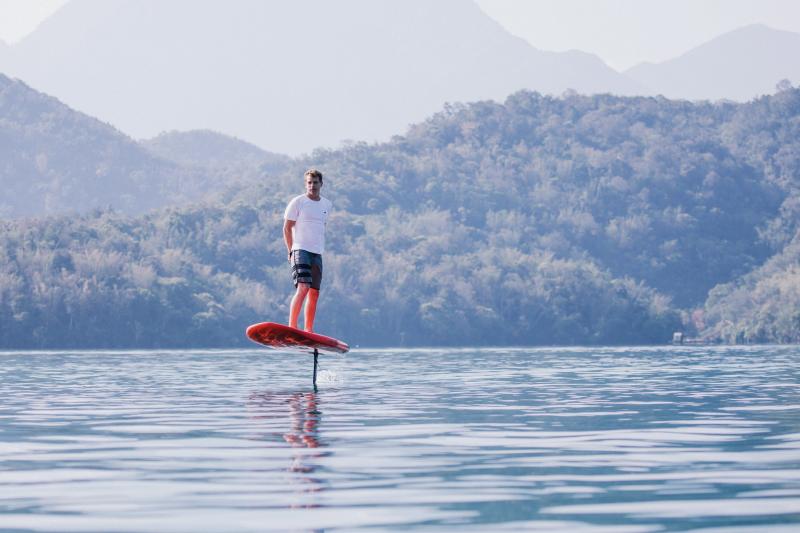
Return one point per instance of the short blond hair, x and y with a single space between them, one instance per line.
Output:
314 173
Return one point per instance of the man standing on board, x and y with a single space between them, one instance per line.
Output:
304 233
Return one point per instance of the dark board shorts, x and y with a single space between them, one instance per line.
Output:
306 268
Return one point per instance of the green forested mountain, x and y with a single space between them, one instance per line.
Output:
56 160
573 220
762 306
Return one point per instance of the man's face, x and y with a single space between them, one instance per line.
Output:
313 185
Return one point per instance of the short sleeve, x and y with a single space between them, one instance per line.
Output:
292 210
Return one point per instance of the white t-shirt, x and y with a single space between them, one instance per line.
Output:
310 218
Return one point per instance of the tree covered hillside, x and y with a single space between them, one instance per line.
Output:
761 307
573 220
678 195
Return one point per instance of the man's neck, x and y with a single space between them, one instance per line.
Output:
315 198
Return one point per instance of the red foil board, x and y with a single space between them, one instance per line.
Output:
282 337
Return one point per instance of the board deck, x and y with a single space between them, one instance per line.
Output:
282 337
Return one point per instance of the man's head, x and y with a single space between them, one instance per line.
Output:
314 173
313 182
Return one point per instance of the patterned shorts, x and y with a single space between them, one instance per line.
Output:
306 268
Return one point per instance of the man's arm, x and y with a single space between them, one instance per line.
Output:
287 234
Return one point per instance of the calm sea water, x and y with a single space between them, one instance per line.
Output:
612 440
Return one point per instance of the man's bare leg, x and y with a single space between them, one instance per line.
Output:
297 303
311 309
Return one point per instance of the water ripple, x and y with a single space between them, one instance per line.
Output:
556 439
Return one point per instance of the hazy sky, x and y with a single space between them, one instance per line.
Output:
20 17
622 32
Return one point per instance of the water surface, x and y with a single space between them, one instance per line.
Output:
600 439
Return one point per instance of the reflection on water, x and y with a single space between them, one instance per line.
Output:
303 412
624 439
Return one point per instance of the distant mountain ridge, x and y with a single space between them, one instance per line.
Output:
57 160
214 151
288 76
739 65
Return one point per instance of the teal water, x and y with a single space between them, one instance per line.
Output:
594 439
